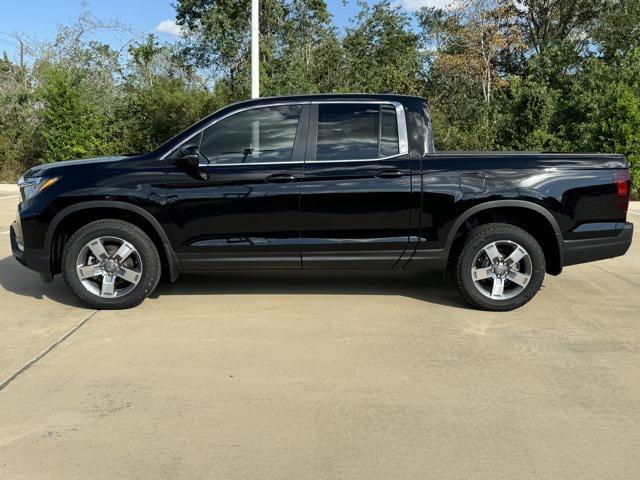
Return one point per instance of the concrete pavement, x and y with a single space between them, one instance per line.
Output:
322 375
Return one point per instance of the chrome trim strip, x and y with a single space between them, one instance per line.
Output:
216 120
355 100
248 163
358 160
299 163
403 136
217 165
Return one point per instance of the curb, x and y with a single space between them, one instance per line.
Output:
8 188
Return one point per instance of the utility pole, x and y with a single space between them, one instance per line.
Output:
18 39
255 49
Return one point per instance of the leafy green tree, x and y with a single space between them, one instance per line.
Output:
21 144
73 126
468 47
555 22
162 96
617 29
309 56
606 110
528 112
218 37
382 53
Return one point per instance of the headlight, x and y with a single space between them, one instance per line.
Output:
30 186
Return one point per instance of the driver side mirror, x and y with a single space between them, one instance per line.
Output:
190 154
189 160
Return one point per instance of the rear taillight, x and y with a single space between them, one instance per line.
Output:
623 188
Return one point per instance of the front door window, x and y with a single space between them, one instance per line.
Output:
259 135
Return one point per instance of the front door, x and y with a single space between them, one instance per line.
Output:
356 187
241 208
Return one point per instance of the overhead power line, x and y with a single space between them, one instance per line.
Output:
17 42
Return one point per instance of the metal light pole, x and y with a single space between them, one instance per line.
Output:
255 50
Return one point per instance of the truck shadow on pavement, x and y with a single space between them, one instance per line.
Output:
427 287
19 280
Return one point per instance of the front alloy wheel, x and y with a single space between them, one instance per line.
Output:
109 267
111 264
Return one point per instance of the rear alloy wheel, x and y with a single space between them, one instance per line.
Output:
501 270
111 264
501 267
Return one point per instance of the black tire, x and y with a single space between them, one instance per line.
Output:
473 246
148 255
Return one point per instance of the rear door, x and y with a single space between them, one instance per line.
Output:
356 185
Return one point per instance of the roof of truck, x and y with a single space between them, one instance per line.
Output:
332 96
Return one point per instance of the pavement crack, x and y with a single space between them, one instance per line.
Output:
616 275
42 354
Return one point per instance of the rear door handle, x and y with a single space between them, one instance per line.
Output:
280 178
390 173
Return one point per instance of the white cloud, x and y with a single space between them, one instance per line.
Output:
415 5
170 28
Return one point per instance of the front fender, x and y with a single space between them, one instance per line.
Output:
172 257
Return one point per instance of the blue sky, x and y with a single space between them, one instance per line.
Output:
39 19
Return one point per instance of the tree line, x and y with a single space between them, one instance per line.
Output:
551 75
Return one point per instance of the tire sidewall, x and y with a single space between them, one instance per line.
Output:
130 233
481 238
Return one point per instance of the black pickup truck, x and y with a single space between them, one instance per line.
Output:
325 181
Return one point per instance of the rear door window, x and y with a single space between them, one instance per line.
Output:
356 131
347 131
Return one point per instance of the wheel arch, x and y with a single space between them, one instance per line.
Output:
84 212
520 213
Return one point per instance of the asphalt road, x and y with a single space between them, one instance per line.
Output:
321 375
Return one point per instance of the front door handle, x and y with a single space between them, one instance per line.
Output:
280 178
390 173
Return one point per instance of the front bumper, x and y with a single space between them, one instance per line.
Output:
592 249
36 260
